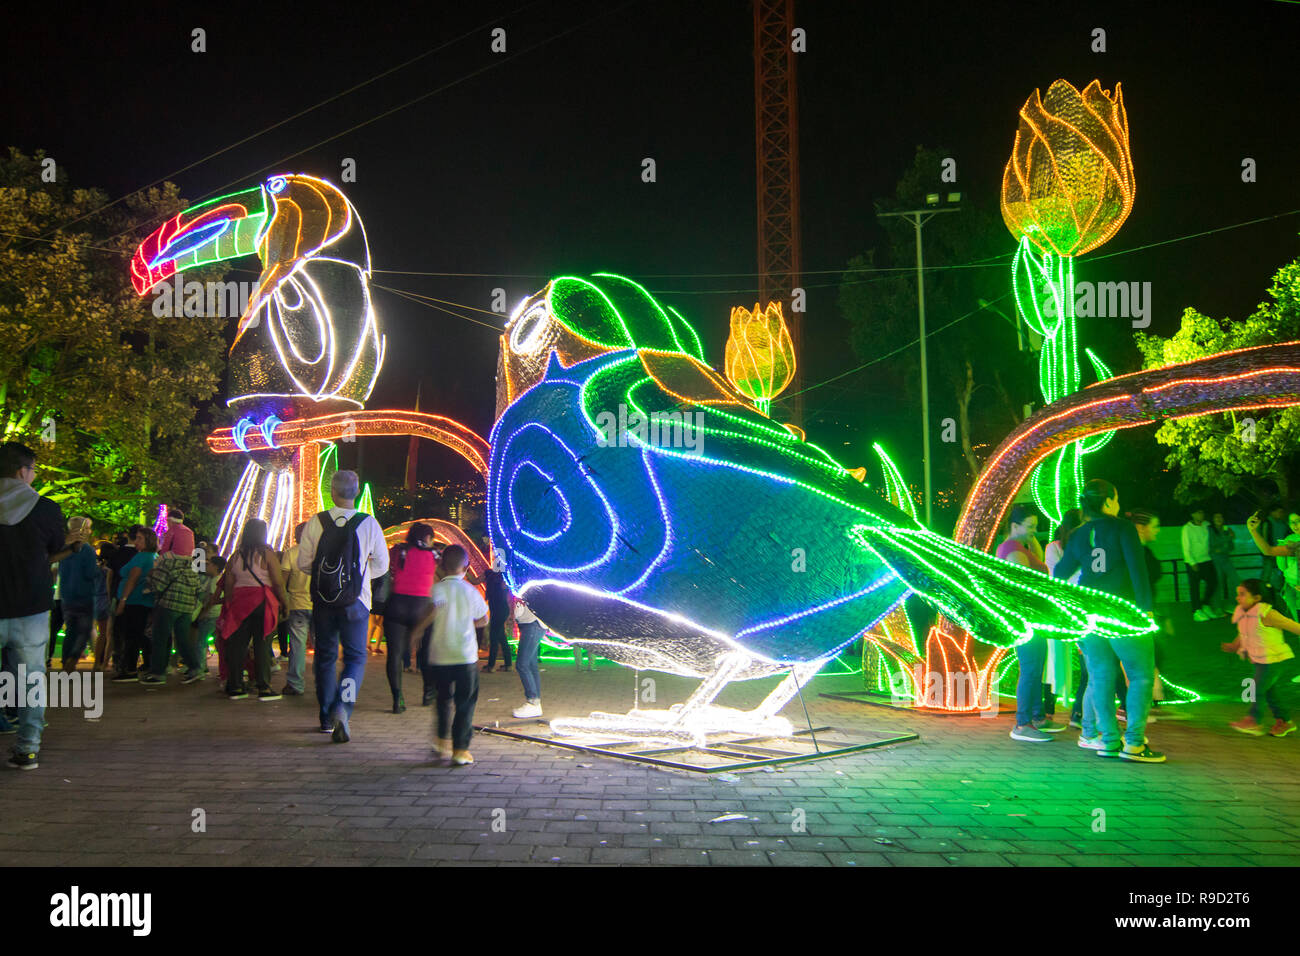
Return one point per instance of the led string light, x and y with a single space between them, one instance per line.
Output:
304 431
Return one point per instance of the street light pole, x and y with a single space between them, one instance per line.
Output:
918 218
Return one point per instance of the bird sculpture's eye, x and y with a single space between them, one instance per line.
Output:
526 335
277 184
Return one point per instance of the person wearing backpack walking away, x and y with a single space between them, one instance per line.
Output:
254 601
1260 640
411 566
457 610
298 585
498 601
342 549
32 537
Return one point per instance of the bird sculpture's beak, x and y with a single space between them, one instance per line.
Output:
218 229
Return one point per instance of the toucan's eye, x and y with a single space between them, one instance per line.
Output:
529 327
277 184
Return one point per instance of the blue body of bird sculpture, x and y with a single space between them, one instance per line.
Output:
648 510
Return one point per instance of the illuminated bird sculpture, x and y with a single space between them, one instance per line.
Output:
647 510
308 341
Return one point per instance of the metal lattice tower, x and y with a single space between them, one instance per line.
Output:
776 140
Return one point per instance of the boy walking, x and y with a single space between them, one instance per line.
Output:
457 611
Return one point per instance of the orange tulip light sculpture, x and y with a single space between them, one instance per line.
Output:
760 354
1067 188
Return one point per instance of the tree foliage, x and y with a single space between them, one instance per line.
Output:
105 391
1236 452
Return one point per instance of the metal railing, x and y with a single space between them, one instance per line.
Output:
1252 562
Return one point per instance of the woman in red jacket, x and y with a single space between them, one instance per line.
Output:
254 601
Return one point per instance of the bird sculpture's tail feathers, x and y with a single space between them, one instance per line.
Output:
996 601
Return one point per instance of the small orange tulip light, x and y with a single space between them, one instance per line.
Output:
760 354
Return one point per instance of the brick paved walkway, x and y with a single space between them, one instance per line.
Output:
122 791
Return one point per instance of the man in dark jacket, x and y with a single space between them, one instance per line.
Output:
1108 551
31 539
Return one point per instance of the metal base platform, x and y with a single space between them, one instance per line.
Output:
884 700
732 751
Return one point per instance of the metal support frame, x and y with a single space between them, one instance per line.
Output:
776 152
727 752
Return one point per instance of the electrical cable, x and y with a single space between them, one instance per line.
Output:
300 113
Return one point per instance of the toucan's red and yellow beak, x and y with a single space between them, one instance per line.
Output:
218 229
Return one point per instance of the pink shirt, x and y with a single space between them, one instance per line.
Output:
243 577
415 577
177 539
1011 544
1262 644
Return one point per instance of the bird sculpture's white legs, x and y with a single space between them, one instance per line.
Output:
690 723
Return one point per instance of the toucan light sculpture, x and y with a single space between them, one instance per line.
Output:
308 341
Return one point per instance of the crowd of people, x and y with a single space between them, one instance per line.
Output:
137 600
1119 677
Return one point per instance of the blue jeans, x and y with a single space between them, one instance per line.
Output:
1104 656
27 639
346 626
1032 656
299 627
530 642
1268 677
78 626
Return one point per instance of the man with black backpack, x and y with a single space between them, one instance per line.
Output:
342 549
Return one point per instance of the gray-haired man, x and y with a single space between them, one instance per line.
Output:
342 550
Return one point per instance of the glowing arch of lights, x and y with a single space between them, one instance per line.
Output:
1265 376
299 482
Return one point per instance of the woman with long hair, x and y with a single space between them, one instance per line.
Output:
412 564
1110 554
254 600
1021 547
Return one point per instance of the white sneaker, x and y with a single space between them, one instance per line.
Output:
531 708
1200 615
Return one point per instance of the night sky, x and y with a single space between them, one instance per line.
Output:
531 168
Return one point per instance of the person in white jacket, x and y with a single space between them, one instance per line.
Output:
1200 566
